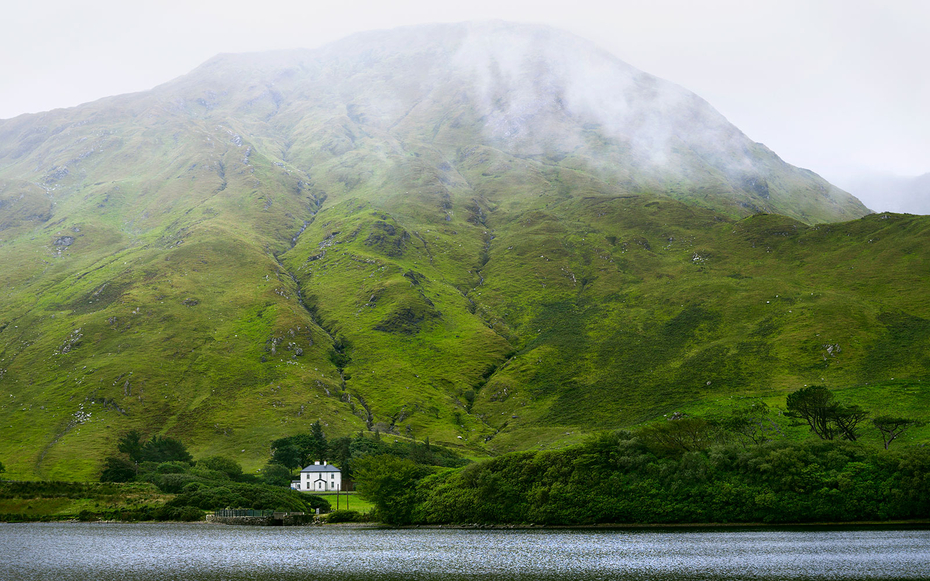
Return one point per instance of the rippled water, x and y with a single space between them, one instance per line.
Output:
113 552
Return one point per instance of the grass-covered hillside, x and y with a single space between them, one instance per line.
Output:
395 233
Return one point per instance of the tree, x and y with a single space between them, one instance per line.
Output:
302 449
285 452
891 427
823 414
130 444
164 449
276 475
340 452
421 454
118 469
752 424
814 405
390 483
158 449
847 418
316 447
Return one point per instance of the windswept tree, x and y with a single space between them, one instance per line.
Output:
816 406
751 424
813 405
847 420
892 426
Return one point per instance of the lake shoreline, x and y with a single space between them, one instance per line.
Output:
864 525
923 524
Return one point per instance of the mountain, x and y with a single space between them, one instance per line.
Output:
494 235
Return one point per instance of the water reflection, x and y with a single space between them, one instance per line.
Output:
211 552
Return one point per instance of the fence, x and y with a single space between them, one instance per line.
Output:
234 512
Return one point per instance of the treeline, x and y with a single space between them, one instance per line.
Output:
739 467
205 484
617 478
814 407
298 451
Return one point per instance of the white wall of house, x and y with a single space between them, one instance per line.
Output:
320 478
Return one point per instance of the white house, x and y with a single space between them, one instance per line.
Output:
319 478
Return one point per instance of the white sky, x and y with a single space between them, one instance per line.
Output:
836 86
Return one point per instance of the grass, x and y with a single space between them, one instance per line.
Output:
64 500
355 502
239 271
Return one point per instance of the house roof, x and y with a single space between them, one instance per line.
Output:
321 468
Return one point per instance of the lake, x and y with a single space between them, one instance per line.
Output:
111 552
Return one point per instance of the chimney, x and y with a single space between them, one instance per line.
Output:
324 462
316 463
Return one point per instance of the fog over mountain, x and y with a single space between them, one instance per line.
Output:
495 235
891 193
530 91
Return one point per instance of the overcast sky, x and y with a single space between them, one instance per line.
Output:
836 86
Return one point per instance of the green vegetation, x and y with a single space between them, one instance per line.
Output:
347 452
825 417
52 501
390 483
892 427
154 479
616 478
226 265
343 516
739 468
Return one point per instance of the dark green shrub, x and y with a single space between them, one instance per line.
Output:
118 470
223 465
338 516
172 483
172 467
192 487
390 483
178 513
277 475
86 516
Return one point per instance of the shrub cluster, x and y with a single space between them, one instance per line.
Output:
617 479
207 484
340 516
347 451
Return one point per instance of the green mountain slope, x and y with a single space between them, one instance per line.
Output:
493 235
